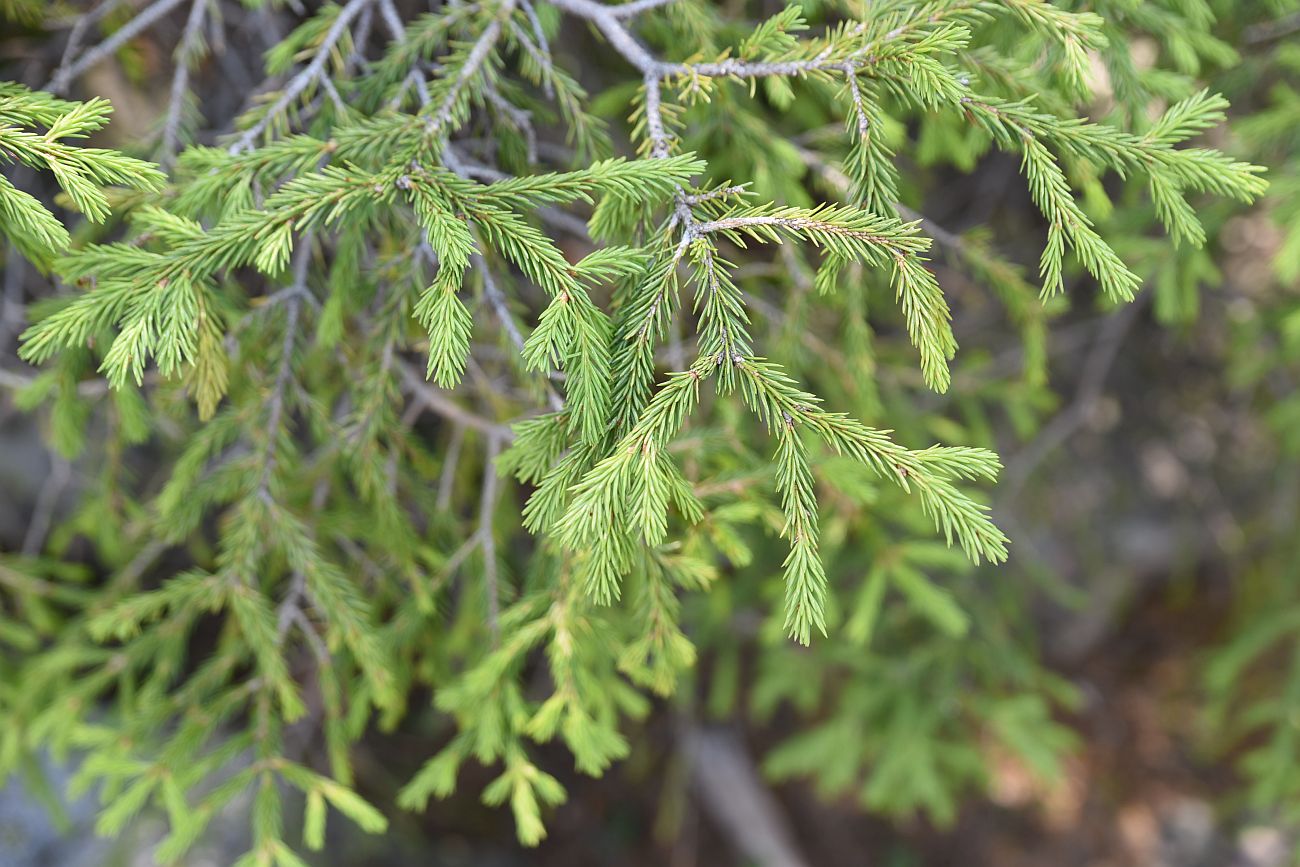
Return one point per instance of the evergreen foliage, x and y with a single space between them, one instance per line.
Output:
415 443
34 129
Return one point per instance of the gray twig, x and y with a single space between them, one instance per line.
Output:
636 7
735 797
447 480
1270 30
1092 380
306 77
275 403
497 299
46 502
137 25
180 81
487 505
541 51
79 28
444 406
11 304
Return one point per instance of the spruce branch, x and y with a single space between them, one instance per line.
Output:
81 172
322 499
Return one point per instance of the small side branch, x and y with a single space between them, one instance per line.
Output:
478 55
1089 391
133 28
735 798
46 502
444 406
304 79
487 506
180 81
275 403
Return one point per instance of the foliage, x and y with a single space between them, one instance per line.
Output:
436 404
81 172
1253 678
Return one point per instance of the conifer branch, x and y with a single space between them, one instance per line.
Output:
322 486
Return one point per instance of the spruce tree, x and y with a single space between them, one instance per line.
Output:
511 369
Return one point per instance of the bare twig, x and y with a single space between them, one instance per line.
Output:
541 51
450 461
86 388
306 77
444 406
46 502
460 555
292 600
519 118
79 27
735 797
487 505
1270 30
180 81
362 35
636 7
1089 390
497 300
608 20
11 304
131 572
275 402
137 25
393 22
